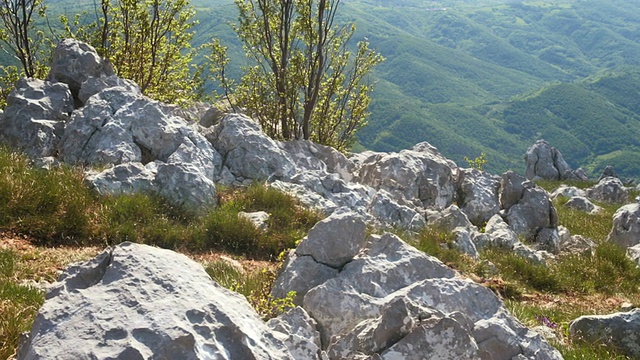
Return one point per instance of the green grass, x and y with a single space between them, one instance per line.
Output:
254 285
56 208
18 305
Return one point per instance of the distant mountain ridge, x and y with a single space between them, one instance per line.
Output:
490 76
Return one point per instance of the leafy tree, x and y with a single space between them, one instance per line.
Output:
28 46
148 42
305 83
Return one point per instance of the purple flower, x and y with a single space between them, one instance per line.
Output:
543 320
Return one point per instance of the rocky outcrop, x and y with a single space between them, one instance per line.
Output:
609 189
74 62
35 116
546 162
527 208
581 203
138 302
478 195
625 231
420 176
390 299
619 331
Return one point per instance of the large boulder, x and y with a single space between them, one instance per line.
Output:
247 151
609 189
35 116
619 331
546 162
420 176
299 333
139 302
527 207
581 203
74 62
311 156
626 226
478 195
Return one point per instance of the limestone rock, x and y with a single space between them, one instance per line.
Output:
626 226
297 330
478 195
74 62
335 240
138 302
93 85
619 330
35 116
259 219
582 204
126 178
300 273
633 253
310 156
609 189
546 162
420 176
384 208
567 191
247 151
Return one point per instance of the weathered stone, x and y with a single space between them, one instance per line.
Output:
126 178
34 118
463 241
335 240
512 187
185 185
74 62
533 212
247 151
478 195
420 176
620 331
500 234
609 189
300 274
310 156
582 204
578 244
138 302
93 85
259 219
633 253
567 191
297 330
608 171
548 239
449 219
384 208
626 226
546 162
386 265
307 197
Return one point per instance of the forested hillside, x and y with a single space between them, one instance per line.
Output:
487 76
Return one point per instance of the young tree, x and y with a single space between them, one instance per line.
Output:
306 84
148 42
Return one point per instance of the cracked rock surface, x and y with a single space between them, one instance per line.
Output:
139 302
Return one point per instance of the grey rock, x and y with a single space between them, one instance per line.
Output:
582 204
548 239
633 253
384 208
211 117
420 176
512 187
93 85
386 265
626 226
608 172
74 62
449 219
126 178
310 156
620 331
297 330
138 302
185 185
300 273
478 195
259 219
567 191
247 151
463 241
546 162
307 197
499 233
533 212
35 116
335 240
609 189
